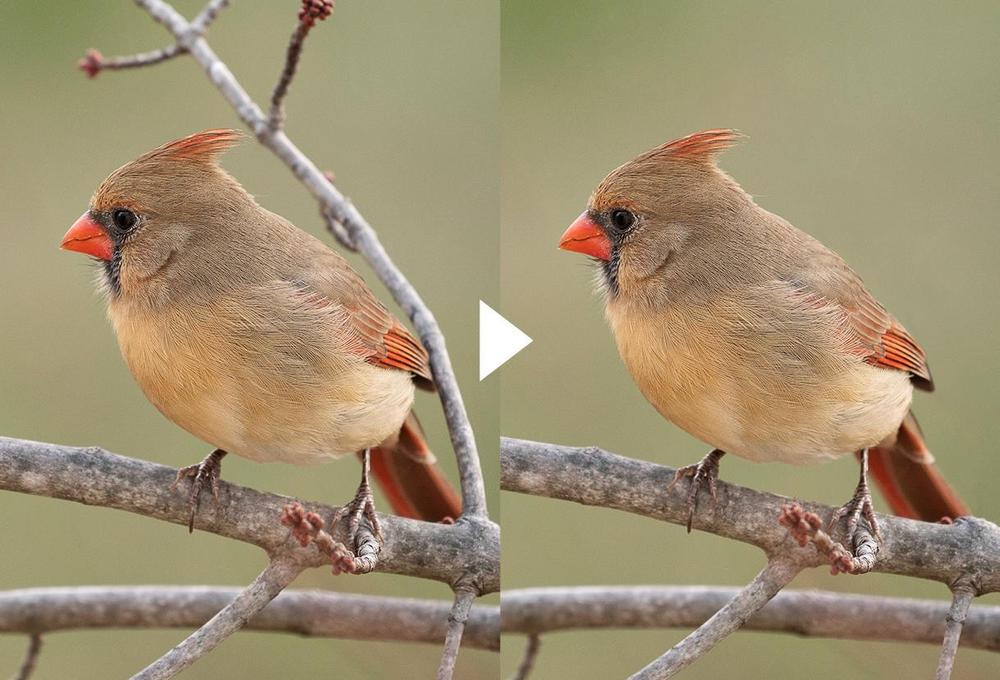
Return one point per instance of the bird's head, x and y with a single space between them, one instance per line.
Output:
649 214
151 213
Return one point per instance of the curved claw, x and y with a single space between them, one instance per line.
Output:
703 473
207 472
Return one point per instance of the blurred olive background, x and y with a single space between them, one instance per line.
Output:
399 99
873 126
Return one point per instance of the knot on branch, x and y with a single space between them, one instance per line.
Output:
308 527
315 10
92 63
806 527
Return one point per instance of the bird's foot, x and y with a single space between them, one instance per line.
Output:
703 473
203 475
363 505
859 506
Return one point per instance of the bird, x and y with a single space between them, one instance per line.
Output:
253 335
751 335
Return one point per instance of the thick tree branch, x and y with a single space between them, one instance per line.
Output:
312 613
446 553
278 574
362 236
948 553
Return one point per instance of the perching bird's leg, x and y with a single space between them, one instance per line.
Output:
704 472
207 472
362 505
860 504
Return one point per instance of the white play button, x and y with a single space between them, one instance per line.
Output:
499 340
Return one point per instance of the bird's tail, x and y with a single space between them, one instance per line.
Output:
910 482
410 480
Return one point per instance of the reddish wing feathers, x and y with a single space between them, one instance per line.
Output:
387 341
884 342
380 339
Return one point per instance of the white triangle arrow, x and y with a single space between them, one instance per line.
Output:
499 340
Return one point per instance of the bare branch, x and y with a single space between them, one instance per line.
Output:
806 527
200 24
752 597
94 62
962 595
313 613
278 574
947 553
311 12
466 551
456 627
810 613
362 236
308 527
528 660
30 658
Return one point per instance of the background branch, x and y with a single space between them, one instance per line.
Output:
777 574
278 574
312 613
811 613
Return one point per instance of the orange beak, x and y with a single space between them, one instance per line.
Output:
586 236
88 237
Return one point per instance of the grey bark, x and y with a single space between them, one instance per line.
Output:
968 550
92 476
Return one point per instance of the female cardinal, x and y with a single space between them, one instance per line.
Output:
251 334
750 334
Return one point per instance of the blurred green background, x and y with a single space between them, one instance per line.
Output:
400 100
872 126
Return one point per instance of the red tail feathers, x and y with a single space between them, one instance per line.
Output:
409 479
911 484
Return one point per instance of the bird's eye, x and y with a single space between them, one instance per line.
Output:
622 220
124 219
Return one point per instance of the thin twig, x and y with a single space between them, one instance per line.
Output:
311 613
962 596
442 552
309 527
361 235
456 627
806 527
276 576
94 62
200 24
30 658
276 116
939 552
528 660
765 585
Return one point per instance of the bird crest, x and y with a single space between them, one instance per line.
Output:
201 146
700 146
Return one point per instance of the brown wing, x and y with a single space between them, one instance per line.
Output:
878 337
381 339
